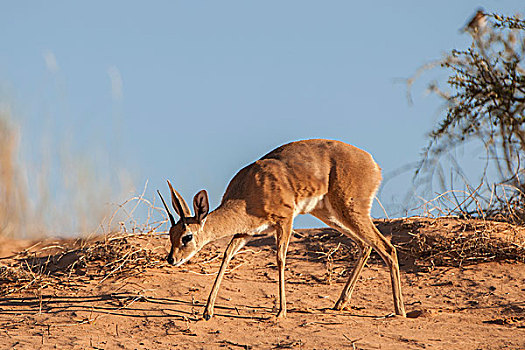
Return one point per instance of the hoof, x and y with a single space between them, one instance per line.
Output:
339 306
281 315
207 316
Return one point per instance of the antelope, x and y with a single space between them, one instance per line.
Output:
331 180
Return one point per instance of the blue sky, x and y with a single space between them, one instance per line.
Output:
194 90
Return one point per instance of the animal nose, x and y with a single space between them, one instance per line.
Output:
170 259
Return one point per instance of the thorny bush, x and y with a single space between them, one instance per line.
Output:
485 103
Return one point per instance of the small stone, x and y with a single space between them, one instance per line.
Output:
414 313
419 312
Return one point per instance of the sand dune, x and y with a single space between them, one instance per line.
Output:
75 297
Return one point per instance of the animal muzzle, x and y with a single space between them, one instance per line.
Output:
170 259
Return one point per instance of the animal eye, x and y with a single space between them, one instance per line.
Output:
187 238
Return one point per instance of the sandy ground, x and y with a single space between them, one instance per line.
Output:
479 306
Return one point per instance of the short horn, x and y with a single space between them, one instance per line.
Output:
175 201
167 210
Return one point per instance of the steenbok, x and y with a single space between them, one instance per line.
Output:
331 180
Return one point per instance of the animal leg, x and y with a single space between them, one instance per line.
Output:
237 242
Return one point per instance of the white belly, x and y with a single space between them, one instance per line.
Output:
306 205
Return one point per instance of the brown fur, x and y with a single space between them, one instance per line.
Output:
330 180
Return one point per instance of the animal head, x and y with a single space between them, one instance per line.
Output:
184 234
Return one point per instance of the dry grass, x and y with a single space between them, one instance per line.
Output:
500 202
13 203
424 243
450 241
72 263
39 185
421 242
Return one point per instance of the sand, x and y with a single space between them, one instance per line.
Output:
478 306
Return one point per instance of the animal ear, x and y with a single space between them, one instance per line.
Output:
179 204
201 205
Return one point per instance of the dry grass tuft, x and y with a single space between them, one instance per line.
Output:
500 202
74 263
70 264
456 242
423 243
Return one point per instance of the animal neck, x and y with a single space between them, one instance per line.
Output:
228 219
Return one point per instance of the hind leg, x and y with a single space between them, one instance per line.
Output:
346 293
364 253
362 225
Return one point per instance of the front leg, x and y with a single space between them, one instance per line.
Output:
237 242
283 233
